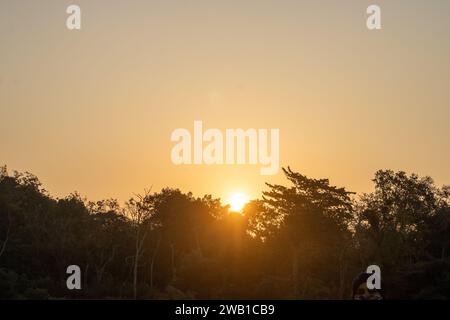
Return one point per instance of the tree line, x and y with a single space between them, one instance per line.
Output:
304 240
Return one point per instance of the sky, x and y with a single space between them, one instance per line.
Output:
92 110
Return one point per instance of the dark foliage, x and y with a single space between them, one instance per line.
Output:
303 241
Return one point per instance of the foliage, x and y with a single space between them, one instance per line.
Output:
305 240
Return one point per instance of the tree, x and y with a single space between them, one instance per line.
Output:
140 210
393 221
312 218
3 174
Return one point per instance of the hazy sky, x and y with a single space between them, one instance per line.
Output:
93 110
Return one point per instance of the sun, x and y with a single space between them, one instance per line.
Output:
237 201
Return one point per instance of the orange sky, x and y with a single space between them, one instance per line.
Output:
93 110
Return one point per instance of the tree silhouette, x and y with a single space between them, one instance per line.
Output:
304 240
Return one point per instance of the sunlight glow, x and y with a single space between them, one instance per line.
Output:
237 201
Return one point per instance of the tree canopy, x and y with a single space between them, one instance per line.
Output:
303 240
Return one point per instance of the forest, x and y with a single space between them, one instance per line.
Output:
306 239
